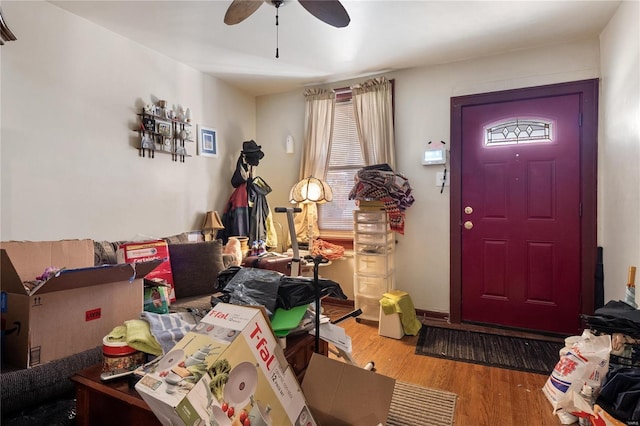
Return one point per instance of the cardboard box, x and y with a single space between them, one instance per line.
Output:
146 251
232 343
341 394
334 393
71 311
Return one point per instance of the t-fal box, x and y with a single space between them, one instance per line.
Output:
146 251
69 311
229 368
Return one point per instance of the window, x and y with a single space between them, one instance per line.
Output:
345 160
518 131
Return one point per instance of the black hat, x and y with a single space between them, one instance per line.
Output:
250 146
252 152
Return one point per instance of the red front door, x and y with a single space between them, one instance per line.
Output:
520 197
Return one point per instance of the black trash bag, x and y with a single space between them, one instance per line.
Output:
297 291
256 287
225 276
615 317
620 394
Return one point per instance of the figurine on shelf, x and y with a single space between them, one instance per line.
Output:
147 143
187 115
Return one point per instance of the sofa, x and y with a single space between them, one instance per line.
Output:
44 394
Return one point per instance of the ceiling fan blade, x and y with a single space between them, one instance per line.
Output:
239 10
329 11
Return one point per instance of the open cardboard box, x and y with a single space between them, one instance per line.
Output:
180 387
341 394
71 311
230 363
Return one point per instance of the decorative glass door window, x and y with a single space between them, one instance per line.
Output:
516 131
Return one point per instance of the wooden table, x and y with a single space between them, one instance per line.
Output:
113 402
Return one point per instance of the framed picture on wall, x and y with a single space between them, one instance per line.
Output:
164 129
207 141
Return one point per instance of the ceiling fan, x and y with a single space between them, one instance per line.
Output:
329 11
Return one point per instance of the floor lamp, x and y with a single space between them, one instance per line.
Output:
310 191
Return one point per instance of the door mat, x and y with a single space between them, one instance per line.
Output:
514 353
413 405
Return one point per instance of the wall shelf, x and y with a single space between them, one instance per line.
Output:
163 134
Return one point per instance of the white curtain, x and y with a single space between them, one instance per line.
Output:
373 108
319 107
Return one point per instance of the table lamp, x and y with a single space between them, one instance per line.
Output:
311 191
212 224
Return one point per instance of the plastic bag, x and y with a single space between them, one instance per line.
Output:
298 291
620 393
225 276
586 362
256 287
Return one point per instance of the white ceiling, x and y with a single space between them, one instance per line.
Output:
383 35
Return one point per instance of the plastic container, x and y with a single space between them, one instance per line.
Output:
370 215
372 227
119 359
587 393
370 307
374 264
374 238
389 325
373 285
568 344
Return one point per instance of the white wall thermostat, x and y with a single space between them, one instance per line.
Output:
434 156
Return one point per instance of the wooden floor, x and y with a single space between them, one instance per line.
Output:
487 396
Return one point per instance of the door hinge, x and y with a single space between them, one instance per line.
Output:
580 120
580 210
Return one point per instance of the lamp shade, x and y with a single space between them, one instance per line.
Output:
311 190
212 221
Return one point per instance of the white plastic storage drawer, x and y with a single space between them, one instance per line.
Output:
373 285
370 307
374 248
377 264
370 215
372 227
377 239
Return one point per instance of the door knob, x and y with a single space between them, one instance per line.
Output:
468 210
468 224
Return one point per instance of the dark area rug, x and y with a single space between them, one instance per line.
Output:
514 353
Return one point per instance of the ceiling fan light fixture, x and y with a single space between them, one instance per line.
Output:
328 11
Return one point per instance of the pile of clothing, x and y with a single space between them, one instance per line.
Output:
380 182
620 391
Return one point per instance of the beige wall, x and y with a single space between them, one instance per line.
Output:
619 149
70 94
422 100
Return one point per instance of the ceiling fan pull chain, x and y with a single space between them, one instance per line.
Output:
277 25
